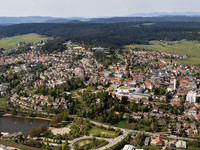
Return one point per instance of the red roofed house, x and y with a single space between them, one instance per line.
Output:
159 141
148 85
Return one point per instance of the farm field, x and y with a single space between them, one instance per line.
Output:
182 47
27 38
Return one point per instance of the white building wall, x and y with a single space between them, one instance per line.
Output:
191 97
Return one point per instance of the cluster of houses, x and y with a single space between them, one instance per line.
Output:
158 141
135 76
37 102
162 143
3 88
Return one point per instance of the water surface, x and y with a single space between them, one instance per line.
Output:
12 124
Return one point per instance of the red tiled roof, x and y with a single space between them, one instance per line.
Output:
159 139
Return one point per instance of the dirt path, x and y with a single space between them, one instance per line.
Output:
18 145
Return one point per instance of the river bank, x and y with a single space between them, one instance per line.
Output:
11 115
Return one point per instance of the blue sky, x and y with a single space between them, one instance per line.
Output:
93 8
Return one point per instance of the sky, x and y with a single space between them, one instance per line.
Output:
93 8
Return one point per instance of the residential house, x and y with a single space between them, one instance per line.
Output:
189 131
128 147
181 145
191 111
191 97
162 122
147 141
158 141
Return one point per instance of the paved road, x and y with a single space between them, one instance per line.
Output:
112 141
83 138
125 132
77 139
136 131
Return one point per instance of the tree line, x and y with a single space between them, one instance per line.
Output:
113 35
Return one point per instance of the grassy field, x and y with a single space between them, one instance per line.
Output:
89 144
3 102
27 38
31 91
179 47
123 124
100 132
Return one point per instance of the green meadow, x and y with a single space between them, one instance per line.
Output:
91 143
182 47
27 38
100 132
3 102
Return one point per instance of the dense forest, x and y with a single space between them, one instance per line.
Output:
113 35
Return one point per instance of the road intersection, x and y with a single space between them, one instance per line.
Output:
125 132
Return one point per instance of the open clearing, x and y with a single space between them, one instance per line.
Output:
27 38
82 143
97 131
60 131
3 102
89 144
182 47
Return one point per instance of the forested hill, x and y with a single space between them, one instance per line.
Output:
39 19
146 19
110 35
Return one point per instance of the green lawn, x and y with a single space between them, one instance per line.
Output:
3 102
100 132
27 38
123 124
193 148
179 47
31 91
89 144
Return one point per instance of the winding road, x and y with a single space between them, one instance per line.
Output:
125 132
112 141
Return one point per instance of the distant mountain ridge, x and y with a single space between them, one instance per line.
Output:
159 14
29 19
145 17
